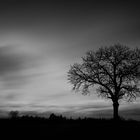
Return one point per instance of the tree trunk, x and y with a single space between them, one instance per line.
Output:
115 110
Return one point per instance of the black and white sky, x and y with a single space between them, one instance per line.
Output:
39 40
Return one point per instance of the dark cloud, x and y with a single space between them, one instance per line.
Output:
10 61
12 96
12 64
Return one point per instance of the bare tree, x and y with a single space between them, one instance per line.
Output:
115 69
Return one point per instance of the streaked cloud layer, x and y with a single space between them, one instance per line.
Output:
39 41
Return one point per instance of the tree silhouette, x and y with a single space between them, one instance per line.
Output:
14 114
114 69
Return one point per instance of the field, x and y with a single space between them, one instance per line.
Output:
59 127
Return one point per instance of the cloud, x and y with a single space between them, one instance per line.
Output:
11 64
9 61
17 66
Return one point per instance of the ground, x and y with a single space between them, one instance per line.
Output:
28 127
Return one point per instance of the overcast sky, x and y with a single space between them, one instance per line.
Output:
40 40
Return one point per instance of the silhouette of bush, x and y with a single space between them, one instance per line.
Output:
14 114
56 117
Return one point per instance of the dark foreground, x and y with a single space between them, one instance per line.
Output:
59 128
